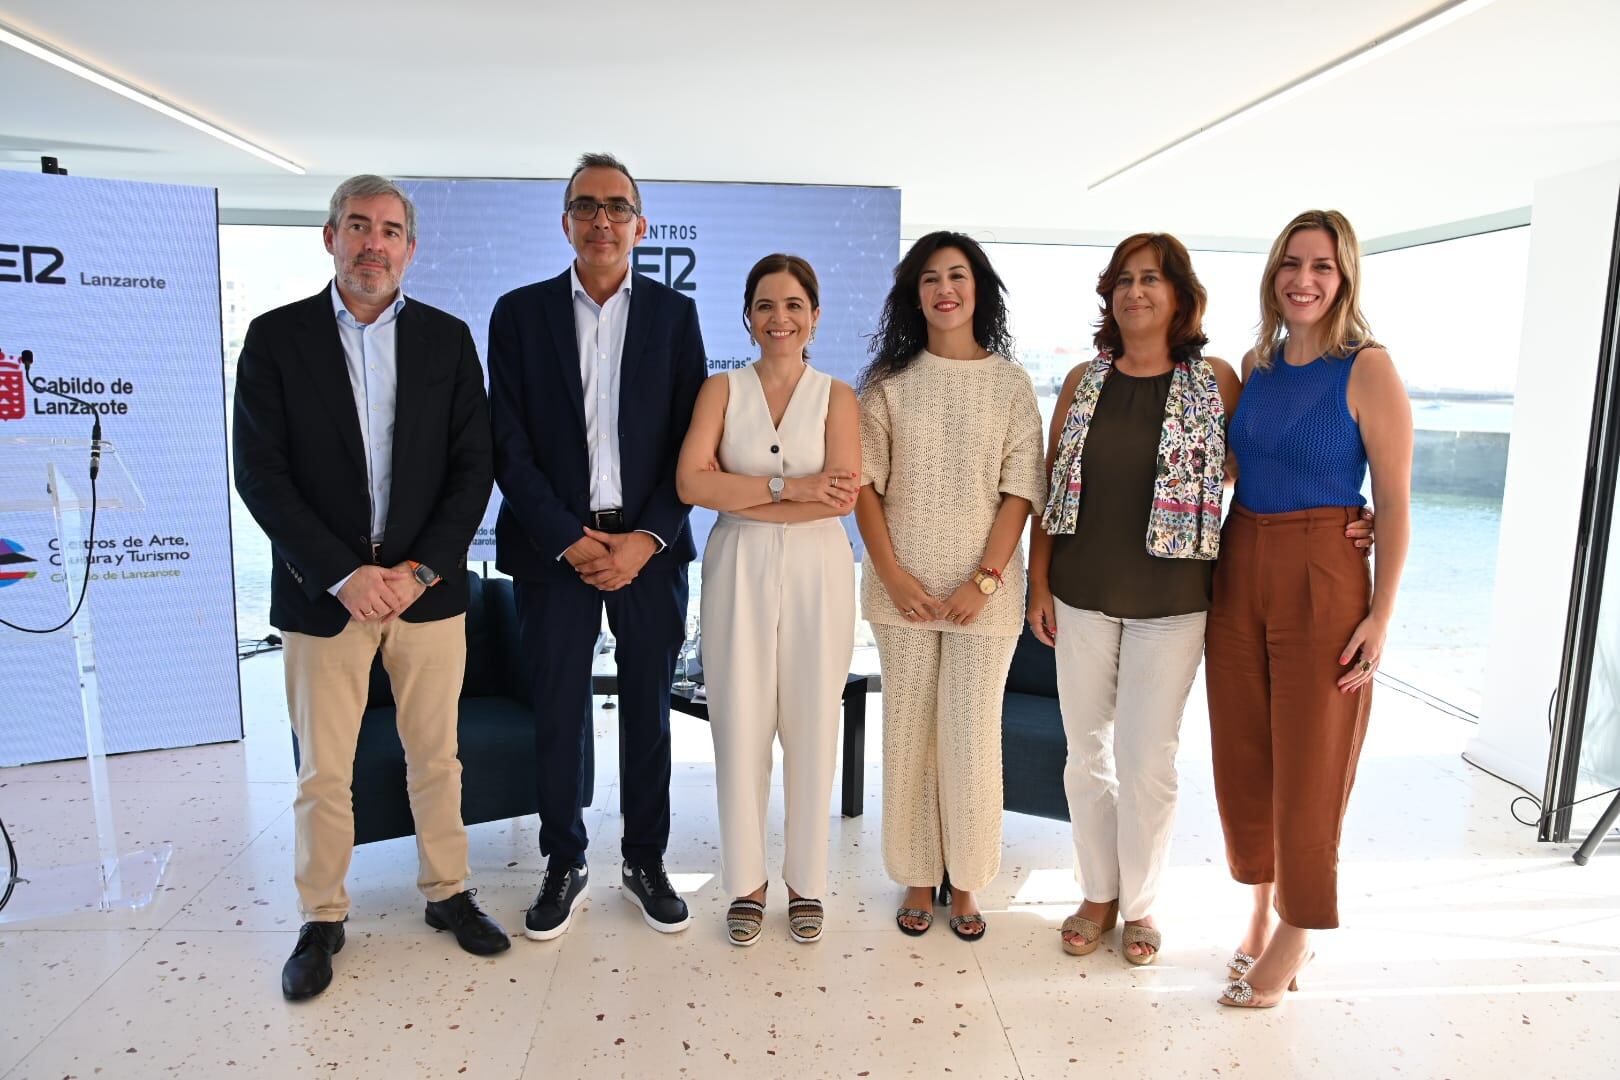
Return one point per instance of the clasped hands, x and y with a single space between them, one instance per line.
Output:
380 593
917 605
610 561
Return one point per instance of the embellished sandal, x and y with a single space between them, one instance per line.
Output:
805 917
1239 965
744 920
1240 994
1137 934
901 914
1090 932
958 922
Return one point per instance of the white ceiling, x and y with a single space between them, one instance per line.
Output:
990 117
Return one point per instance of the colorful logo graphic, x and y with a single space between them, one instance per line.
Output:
12 563
13 405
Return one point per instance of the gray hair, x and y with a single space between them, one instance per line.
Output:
600 161
365 186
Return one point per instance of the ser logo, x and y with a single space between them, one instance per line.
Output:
678 264
39 264
13 387
13 562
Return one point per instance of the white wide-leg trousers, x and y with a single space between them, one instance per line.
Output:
778 611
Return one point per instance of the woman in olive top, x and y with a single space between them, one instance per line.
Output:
1120 578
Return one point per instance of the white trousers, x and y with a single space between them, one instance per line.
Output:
1122 686
778 612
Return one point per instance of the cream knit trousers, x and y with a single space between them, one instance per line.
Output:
942 754
778 631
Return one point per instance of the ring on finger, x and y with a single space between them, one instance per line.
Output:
1366 665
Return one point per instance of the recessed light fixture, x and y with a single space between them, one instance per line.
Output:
9 35
1366 53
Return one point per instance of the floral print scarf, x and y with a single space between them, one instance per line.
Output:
1185 521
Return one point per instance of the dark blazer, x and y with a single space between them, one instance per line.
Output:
537 405
301 467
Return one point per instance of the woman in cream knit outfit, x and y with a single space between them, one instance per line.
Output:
951 463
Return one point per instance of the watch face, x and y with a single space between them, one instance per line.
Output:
987 584
425 576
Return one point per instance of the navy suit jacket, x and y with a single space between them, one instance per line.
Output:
301 464
537 409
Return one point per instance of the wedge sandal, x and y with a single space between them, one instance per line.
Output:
805 917
744 920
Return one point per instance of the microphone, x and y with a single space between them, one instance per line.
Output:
39 387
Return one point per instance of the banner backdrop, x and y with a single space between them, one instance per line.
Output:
478 239
114 288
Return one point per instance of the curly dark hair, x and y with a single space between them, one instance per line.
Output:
1186 331
902 330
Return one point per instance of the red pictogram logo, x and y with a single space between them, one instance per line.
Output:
13 404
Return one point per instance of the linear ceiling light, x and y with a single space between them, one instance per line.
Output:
1405 34
52 55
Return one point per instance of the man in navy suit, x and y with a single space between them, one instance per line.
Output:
593 375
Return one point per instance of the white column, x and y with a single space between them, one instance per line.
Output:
1572 230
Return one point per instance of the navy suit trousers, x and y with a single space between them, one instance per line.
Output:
558 620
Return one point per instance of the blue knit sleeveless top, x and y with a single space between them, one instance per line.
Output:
1296 443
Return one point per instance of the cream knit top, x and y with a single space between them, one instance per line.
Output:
941 442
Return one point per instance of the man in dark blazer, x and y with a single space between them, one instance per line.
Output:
593 375
362 449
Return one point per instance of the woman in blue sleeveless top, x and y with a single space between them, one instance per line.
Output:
1296 628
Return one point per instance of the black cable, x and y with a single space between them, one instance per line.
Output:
11 876
90 547
247 648
27 359
1531 797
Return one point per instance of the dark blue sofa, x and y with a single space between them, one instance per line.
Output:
495 730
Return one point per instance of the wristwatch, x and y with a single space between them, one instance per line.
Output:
425 576
776 484
987 580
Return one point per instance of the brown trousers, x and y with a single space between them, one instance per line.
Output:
1289 591
327 680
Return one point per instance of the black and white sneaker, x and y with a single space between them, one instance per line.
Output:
562 891
649 889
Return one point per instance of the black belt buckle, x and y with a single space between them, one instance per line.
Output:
609 521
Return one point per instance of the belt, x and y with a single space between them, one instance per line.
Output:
375 548
610 521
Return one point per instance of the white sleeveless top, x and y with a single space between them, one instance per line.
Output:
751 445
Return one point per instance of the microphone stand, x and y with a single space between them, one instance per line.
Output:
39 387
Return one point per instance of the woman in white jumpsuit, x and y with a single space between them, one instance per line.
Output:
775 447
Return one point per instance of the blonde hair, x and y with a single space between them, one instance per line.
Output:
1347 327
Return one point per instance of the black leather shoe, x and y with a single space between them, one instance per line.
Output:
561 893
308 970
649 889
476 932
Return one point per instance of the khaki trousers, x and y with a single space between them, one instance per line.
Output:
327 680
942 790
1289 591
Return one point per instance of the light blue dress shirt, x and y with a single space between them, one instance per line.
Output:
368 352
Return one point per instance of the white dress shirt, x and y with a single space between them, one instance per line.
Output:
369 353
599 331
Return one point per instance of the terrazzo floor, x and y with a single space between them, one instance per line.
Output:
1469 950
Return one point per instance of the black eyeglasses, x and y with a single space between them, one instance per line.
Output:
619 211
